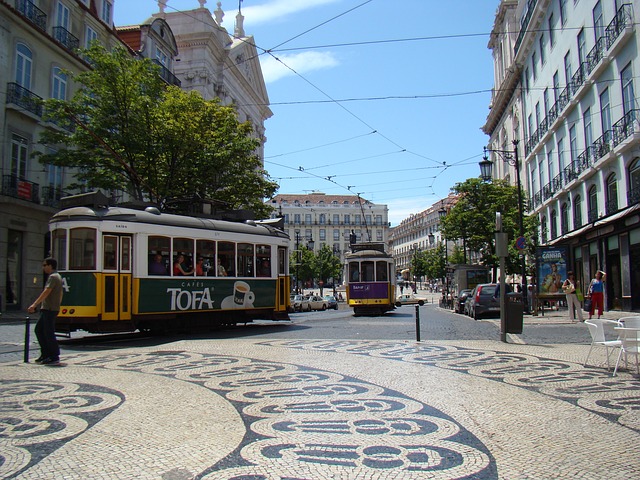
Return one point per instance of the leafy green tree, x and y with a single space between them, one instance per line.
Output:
125 129
472 219
326 266
435 266
302 264
457 256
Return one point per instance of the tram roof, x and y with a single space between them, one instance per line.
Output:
367 253
155 217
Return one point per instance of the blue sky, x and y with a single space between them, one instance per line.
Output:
387 99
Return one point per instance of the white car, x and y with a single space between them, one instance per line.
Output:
317 303
299 303
409 299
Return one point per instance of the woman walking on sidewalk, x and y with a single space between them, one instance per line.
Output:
596 290
569 288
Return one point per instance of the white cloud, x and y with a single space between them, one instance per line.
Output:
302 63
277 9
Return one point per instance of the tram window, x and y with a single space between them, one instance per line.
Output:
83 249
354 272
109 251
245 260
60 248
205 257
226 259
367 272
263 260
183 249
125 254
158 253
282 261
381 272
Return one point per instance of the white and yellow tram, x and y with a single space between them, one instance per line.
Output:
120 272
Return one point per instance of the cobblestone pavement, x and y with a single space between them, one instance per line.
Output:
309 409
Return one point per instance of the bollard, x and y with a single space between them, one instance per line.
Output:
27 332
417 323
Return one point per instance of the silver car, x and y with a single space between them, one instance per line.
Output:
317 303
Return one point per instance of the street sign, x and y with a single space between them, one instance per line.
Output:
521 243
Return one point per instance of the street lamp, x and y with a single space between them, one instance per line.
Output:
298 262
443 213
486 173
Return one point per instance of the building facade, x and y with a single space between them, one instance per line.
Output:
40 39
565 88
331 219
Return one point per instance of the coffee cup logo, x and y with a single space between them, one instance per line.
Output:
242 293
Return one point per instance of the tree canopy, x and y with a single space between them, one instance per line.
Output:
472 219
125 129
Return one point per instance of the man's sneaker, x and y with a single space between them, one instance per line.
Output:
39 359
50 361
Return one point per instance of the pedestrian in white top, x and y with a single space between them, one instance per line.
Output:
569 288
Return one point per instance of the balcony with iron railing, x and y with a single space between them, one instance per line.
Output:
622 20
524 24
625 127
51 195
20 96
592 214
633 195
13 186
611 206
593 154
32 13
64 37
167 76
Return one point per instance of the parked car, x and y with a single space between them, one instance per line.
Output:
459 301
299 303
481 301
317 303
331 301
409 299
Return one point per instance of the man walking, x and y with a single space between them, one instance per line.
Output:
50 298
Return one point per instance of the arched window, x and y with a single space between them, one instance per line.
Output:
592 204
553 220
24 61
577 211
612 194
634 182
564 218
544 232
58 84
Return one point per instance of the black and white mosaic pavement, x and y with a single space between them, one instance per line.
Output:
296 410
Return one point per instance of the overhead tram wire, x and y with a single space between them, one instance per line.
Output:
323 145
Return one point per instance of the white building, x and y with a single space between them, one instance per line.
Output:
565 88
331 219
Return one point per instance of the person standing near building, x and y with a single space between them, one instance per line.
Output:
50 299
569 288
596 290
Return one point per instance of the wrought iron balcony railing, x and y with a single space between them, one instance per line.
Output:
51 195
625 127
618 24
13 186
524 24
167 76
592 214
65 37
633 196
622 20
24 98
611 206
32 13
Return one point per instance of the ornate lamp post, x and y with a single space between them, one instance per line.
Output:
486 173
443 213
298 262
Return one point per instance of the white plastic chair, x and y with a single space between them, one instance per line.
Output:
596 329
630 337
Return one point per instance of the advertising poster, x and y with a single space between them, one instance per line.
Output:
552 269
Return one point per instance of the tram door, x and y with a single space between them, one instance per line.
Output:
116 278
